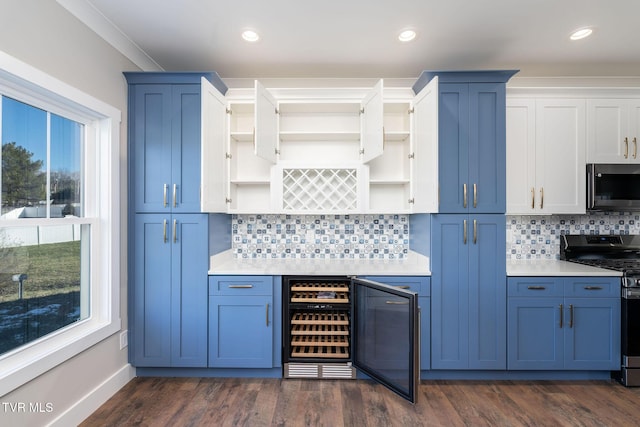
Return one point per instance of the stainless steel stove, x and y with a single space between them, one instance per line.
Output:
619 253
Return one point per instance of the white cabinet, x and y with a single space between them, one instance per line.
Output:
546 155
613 130
334 150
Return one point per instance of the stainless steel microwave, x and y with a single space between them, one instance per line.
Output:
613 187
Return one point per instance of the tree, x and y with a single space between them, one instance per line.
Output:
23 181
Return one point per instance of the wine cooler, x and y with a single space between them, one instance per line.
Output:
333 325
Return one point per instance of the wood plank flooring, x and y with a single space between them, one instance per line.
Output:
292 402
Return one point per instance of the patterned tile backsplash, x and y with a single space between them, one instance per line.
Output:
538 237
320 236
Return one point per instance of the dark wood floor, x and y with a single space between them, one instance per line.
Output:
276 402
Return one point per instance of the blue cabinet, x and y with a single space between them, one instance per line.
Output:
168 293
468 292
568 323
244 322
472 140
168 236
422 286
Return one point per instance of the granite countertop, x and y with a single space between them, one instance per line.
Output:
413 264
555 268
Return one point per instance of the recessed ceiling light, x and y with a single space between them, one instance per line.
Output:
406 35
250 36
581 33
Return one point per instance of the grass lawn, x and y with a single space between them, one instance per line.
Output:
51 269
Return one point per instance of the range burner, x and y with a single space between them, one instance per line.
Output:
628 266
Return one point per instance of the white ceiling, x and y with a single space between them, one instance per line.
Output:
358 38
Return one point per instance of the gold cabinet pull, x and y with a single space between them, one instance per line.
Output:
533 198
626 148
464 195
571 315
175 197
175 230
240 286
475 195
164 231
267 314
635 147
165 188
561 315
475 231
464 231
541 197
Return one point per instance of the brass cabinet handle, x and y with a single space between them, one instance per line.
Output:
165 187
240 286
635 147
175 191
561 315
464 231
175 231
541 197
533 198
164 231
537 288
626 148
475 231
475 195
267 314
464 195
571 315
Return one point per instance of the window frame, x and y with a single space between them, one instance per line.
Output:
27 84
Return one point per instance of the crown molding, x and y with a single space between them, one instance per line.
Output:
97 22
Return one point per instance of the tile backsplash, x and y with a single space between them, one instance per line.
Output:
538 237
320 236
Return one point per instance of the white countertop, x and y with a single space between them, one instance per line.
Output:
554 268
413 265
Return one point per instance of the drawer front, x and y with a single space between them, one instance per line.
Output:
240 285
418 284
597 287
534 287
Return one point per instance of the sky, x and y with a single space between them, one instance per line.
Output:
27 127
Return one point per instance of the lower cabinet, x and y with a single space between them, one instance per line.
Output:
557 323
422 286
168 295
241 322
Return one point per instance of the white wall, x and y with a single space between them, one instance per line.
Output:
44 35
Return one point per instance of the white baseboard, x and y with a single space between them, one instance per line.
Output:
94 399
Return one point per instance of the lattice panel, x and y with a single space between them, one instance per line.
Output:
320 189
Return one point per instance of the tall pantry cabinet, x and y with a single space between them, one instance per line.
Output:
468 260
168 238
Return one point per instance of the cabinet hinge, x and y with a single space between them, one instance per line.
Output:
410 110
412 156
412 200
228 110
227 200
362 151
275 150
227 155
362 111
277 111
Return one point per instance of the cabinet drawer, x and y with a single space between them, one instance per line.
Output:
240 285
534 287
597 287
419 285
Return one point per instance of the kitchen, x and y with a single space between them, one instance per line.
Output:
116 94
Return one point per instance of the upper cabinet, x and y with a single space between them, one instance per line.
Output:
320 150
613 131
471 133
546 155
165 139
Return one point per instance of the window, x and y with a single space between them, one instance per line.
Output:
59 222
42 283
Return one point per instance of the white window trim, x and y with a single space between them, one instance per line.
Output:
102 124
